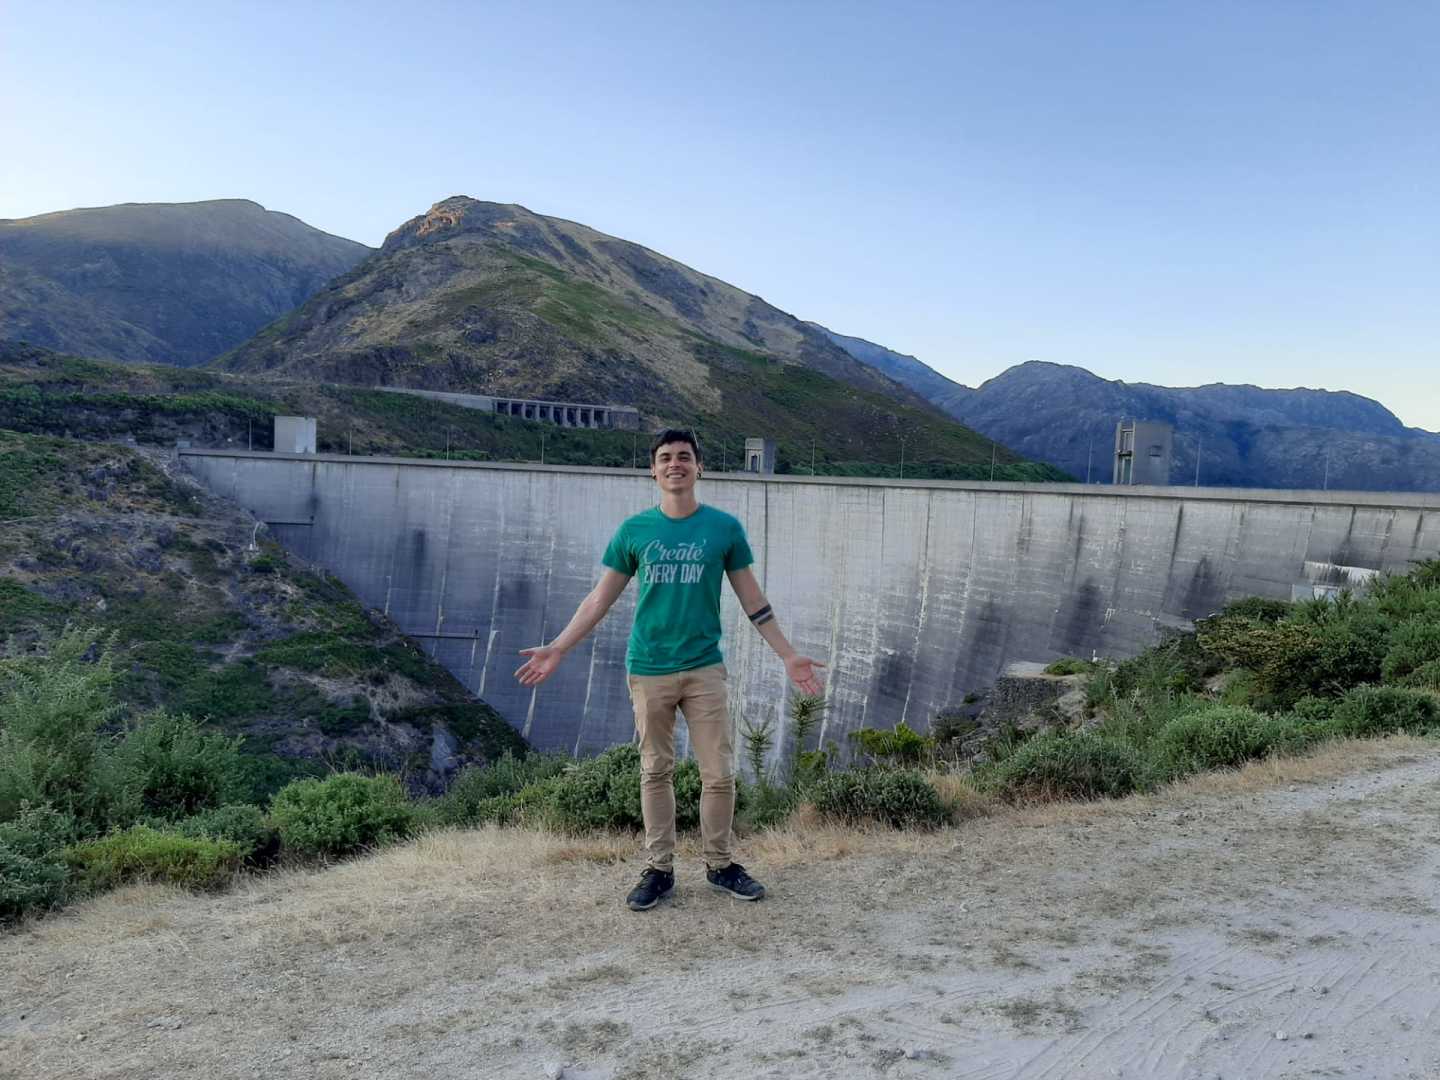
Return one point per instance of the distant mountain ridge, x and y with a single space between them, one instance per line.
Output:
175 283
1246 436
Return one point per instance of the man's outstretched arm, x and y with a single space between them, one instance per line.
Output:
801 669
544 659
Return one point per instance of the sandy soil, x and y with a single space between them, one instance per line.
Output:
1274 923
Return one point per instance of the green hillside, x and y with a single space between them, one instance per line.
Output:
854 431
203 623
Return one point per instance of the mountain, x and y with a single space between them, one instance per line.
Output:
1246 436
904 369
177 283
492 298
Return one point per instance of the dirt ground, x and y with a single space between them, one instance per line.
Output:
1279 922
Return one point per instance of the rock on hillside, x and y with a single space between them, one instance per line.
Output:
204 623
176 283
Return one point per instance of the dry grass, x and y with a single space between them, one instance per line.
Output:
457 870
488 939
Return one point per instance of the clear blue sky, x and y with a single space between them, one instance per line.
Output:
1179 192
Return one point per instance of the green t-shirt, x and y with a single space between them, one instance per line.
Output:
679 564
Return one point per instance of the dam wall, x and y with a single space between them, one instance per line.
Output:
913 593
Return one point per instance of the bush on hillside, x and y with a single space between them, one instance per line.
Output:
177 770
141 853
1385 710
54 707
1257 609
1414 655
1060 765
768 805
239 823
1069 665
33 872
1350 651
1216 737
900 798
1282 655
1178 665
900 745
341 815
604 793
471 798
1136 720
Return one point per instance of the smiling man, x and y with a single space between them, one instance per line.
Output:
680 550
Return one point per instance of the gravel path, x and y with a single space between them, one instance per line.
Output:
1276 923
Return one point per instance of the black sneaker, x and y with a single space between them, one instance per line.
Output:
734 880
654 885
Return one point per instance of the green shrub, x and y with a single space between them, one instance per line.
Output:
1414 652
1136 720
1351 651
1178 665
768 805
471 797
1238 688
604 793
1100 688
30 883
1059 765
1216 737
900 745
176 770
141 853
1315 711
900 798
33 873
239 823
54 706
341 814
1069 665
1258 609
1385 710
759 739
239 689
600 793
1282 655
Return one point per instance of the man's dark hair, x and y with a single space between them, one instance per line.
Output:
670 435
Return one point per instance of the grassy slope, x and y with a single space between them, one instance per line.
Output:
856 432
96 535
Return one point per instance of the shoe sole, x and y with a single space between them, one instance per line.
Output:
738 896
647 907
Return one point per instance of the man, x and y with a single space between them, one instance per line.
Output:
680 549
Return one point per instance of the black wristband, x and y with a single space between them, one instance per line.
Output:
764 615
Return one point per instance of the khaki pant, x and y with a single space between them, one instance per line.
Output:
700 695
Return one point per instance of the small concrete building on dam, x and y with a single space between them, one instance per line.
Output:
912 592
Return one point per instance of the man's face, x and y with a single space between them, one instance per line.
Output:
675 468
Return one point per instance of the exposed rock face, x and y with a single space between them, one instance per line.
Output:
1246 436
176 283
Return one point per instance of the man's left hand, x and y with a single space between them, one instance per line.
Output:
804 674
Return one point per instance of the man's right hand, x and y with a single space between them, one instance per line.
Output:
544 659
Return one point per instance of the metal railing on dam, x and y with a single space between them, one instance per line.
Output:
914 592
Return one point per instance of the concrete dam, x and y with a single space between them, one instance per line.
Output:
913 592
